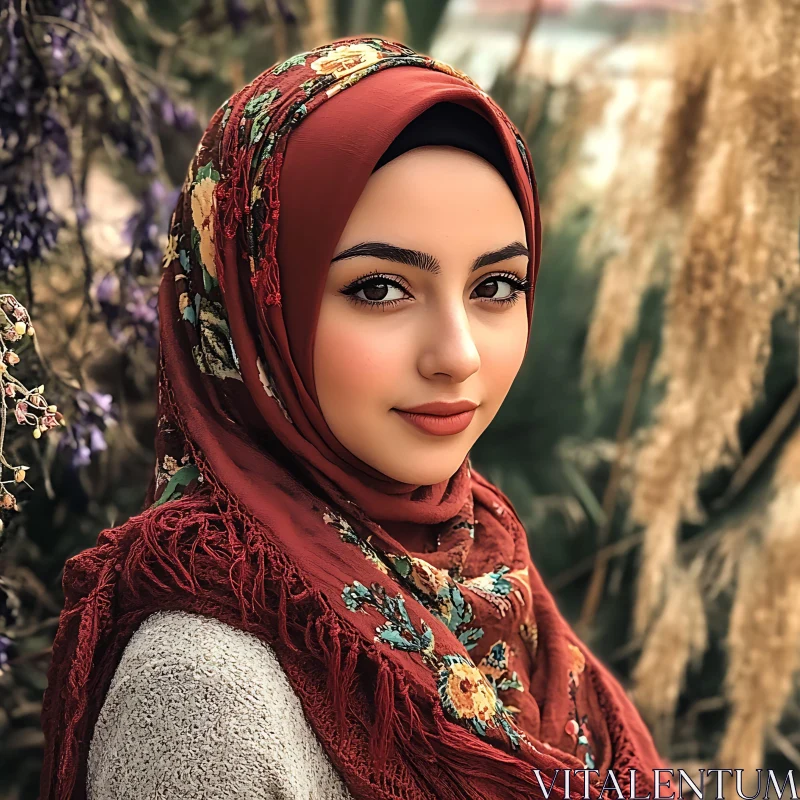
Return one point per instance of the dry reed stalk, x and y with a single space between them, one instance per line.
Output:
317 30
576 108
693 52
787 472
679 639
722 561
395 20
736 268
763 656
625 234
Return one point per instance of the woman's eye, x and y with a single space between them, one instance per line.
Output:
495 289
501 290
380 292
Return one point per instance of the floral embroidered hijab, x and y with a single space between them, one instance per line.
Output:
441 674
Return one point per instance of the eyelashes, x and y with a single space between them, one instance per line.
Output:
376 279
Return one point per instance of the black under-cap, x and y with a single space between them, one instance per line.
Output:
457 126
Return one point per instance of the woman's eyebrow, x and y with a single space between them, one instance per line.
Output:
425 261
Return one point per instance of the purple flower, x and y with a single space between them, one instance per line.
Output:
95 403
237 13
137 320
175 114
28 226
104 402
289 17
5 647
37 62
85 435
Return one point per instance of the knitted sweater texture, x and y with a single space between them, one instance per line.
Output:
199 710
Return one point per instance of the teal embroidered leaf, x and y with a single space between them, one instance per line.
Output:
184 476
395 638
207 171
257 109
208 281
471 637
402 565
398 631
510 683
295 61
356 595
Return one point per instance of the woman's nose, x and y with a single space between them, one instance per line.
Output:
449 347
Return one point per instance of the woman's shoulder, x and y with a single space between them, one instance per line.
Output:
199 709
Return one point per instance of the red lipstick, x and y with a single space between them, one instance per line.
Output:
440 418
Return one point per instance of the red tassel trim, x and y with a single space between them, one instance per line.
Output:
269 285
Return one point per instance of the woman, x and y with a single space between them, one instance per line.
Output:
357 237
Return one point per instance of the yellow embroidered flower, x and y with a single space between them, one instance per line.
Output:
343 60
483 582
456 73
170 465
469 693
184 302
427 578
171 251
521 575
203 204
530 635
377 562
578 660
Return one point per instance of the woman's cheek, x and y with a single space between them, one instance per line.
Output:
360 364
502 353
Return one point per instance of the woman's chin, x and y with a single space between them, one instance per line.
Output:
422 470
411 456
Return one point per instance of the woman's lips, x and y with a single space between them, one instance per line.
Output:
439 425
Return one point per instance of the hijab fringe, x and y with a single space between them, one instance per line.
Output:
143 548
268 280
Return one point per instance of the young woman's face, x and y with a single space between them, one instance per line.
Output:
449 326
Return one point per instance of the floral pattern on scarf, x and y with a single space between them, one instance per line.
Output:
469 693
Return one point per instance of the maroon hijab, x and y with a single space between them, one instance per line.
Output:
443 673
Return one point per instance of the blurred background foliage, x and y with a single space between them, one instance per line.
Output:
650 443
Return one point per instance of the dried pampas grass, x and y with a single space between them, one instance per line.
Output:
576 108
678 641
625 234
709 180
736 268
763 653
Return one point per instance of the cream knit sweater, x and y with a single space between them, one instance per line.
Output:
198 710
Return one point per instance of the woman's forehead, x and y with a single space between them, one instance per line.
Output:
432 193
